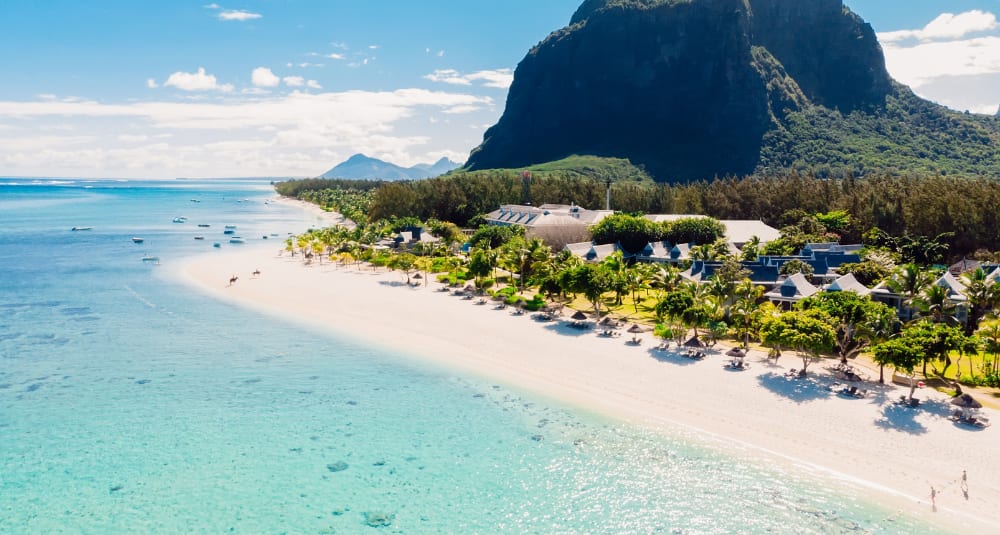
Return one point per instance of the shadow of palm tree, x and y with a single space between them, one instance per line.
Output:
670 357
799 389
564 329
901 418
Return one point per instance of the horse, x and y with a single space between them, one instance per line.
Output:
233 279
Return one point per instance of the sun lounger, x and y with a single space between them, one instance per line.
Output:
792 373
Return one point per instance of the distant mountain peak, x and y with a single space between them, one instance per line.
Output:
364 167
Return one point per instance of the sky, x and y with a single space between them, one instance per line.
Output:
165 89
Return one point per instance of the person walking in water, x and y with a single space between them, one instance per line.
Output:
965 486
933 495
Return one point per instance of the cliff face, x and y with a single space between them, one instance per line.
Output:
687 88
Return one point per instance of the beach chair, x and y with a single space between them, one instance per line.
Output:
792 373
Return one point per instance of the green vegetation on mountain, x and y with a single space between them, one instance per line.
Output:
694 89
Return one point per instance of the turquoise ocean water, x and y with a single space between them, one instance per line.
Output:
131 404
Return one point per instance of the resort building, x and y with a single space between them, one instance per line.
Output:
793 289
555 224
738 231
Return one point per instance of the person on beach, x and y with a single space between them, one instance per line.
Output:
933 495
965 486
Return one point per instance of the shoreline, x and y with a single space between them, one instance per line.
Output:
869 446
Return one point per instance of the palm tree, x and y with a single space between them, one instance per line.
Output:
983 294
909 281
989 329
936 303
747 303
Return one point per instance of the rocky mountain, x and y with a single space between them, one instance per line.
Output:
692 89
360 167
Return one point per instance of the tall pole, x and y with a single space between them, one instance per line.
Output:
607 194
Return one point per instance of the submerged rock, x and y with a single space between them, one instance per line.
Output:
379 519
338 466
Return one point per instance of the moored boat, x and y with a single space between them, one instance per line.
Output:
151 259
199 237
180 220
74 229
204 225
137 240
236 239
216 245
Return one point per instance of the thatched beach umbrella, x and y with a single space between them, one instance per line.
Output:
966 401
736 353
609 323
693 342
579 316
418 276
636 330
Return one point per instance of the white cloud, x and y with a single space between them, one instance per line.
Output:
263 77
313 84
255 91
281 135
238 15
440 53
947 26
198 81
498 78
953 60
151 83
334 56
923 62
294 81
212 6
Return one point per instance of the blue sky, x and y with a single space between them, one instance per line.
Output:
291 87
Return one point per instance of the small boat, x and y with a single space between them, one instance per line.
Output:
153 259
195 200
264 237
199 237
237 239
74 229
229 231
274 234
137 240
204 225
180 220
231 227
216 245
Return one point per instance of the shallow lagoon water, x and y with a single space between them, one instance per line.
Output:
129 403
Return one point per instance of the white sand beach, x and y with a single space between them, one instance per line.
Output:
871 446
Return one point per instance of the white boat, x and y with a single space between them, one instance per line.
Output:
237 239
180 220
151 259
81 228
137 240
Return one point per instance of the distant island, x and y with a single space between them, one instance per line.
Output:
361 167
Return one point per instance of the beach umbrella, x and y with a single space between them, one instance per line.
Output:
609 323
418 276
636 329
693 342
579 316
520 303
966 401
736 353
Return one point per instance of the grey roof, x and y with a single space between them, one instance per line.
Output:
956 288
848 283
545 215
792 289
738 231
